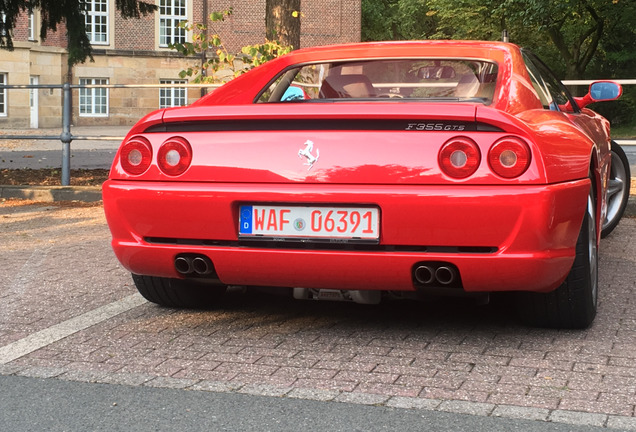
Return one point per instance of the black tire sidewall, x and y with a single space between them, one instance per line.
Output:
618 150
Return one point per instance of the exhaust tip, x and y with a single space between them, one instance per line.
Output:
202 265
445 275
183 265
436 274
424 274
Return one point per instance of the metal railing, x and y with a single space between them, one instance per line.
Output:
66 137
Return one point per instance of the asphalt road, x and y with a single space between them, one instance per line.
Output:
31 404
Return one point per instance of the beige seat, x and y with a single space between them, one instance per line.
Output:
347 86
467 87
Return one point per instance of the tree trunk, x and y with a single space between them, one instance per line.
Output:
280 22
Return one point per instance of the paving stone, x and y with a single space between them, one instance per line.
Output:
83 376
511 411
389 389
466 407
524 400
593 406
10 369
578 418
413 403
313 394
458 395
215 386
362 398
168 382
264 390
622 423
255 379
131 379
41 372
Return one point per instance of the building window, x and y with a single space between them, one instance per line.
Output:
171 13
172 96
96 21
3 95
93 102
31 28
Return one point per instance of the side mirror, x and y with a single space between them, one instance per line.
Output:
293 93
600 91
605 91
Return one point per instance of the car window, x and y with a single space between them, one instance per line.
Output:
409 79
551 91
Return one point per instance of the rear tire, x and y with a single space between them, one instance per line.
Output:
617 190
178 293
573 304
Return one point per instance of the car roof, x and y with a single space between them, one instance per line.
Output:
507 56
486 50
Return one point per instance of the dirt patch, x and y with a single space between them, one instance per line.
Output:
52 177
19 202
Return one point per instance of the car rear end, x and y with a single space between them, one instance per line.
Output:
344 196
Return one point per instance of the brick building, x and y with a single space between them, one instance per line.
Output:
135 51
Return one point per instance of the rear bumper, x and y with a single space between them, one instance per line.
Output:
500 238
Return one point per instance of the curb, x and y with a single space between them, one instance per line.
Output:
53 193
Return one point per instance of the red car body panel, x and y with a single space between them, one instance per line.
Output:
529 232
501 234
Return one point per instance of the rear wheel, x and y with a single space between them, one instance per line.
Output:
573 304
617 190
178 293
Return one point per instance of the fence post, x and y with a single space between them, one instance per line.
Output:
66 136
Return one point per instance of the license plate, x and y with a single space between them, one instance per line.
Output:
299 222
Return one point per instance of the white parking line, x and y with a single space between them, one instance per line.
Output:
45 337
625 142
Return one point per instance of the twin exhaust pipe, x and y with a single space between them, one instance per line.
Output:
426 274
436 274
194 265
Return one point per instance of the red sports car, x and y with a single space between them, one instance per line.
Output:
351 171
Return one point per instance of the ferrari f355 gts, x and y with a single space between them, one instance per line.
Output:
366 170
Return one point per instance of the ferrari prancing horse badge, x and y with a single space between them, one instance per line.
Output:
306 152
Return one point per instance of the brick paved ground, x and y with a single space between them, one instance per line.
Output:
56 264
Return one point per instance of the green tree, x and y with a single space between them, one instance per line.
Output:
396 20
69 12
574 28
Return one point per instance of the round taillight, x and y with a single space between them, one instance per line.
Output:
136 155
509 157
459 157
174 156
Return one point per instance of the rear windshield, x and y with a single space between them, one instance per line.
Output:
411 79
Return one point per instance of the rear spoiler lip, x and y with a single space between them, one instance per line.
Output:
410 116
333 124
